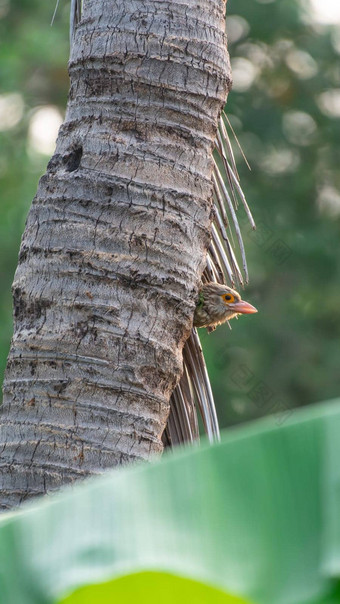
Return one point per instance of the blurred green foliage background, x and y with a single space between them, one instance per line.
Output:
285 110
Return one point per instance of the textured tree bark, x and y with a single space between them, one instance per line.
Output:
114 244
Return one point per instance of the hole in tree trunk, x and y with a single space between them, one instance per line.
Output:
72 159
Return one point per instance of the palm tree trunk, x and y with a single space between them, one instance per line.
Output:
114 245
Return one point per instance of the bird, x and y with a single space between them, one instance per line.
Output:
217 304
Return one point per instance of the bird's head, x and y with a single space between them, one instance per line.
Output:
222 303
231 301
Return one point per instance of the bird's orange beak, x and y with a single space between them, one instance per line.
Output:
242 307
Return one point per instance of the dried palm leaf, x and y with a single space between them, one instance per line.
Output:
222 267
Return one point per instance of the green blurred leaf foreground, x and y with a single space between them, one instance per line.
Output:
254 519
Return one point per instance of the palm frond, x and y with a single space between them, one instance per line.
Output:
193 393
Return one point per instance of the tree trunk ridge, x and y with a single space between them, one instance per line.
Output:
114 244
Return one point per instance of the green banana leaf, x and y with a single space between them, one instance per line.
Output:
253 519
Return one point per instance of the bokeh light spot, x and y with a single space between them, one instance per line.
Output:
280 161
299 127
301 63
4 8
244 74
329 102
329 201
11 110
326 12
237 28
43 129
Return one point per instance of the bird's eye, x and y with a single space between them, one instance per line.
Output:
228 298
